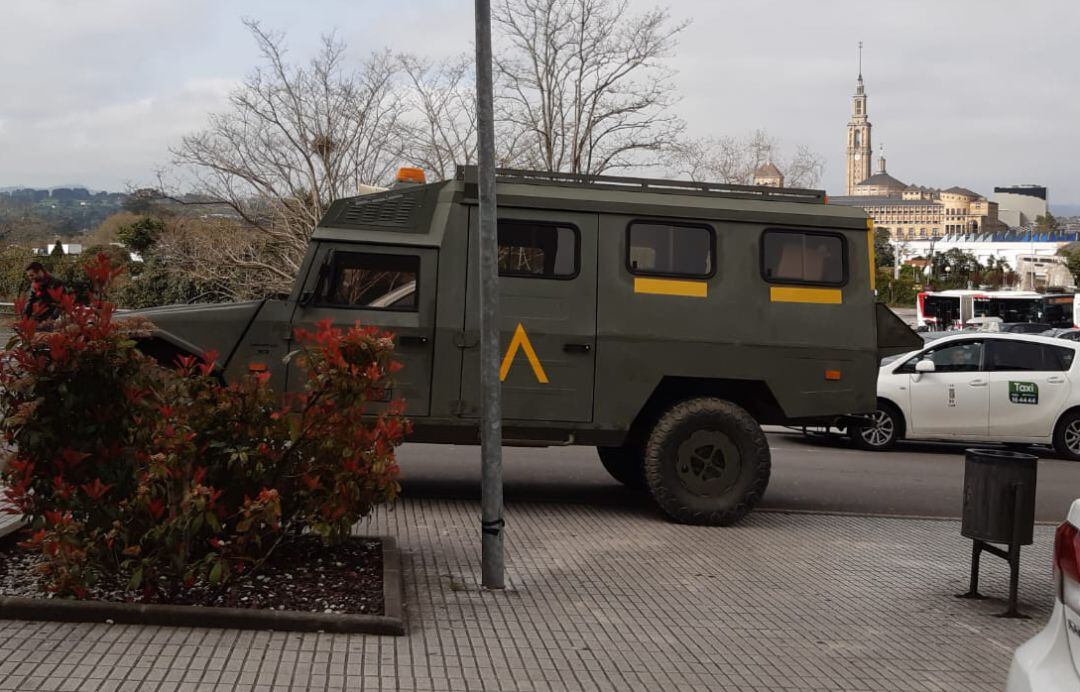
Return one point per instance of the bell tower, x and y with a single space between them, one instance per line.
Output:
859 150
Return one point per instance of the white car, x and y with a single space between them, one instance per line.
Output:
978 386
1050 661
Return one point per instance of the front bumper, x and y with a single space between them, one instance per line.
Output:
1043 663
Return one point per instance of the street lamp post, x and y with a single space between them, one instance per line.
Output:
491 488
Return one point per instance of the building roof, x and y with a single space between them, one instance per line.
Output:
1010 236
768 170
1037 191
962 191
883 180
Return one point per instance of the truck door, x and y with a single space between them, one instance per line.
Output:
547 305
392 287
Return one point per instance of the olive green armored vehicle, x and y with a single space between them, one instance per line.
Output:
660 322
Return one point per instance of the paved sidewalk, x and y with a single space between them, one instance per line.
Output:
606 598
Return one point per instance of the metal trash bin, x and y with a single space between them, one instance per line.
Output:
999 507
999 496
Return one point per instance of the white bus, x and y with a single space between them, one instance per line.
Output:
947 310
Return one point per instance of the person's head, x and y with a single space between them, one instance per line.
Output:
35 271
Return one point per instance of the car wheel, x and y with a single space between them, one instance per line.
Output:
707 462
881 431
1067 436
624 464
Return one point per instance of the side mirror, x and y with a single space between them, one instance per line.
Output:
925 365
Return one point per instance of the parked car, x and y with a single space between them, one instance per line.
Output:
1050 661
980 386
1072 334
1022 327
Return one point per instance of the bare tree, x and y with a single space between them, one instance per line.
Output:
734 160
222 255
296 138
581 84
440 124
804 168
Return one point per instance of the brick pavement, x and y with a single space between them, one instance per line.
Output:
605 598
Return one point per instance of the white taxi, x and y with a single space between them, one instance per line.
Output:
1050 661
980 386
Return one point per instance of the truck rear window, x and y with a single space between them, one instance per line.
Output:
800 257
537 249
670 249
372 281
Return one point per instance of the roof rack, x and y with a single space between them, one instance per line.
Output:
612 182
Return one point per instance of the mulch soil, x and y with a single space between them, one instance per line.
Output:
302 575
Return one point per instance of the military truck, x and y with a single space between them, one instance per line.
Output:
661 322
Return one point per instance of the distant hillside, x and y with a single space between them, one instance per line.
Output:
11 188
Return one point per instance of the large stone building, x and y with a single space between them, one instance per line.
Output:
906 211
1021 205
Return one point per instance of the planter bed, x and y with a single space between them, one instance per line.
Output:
352 587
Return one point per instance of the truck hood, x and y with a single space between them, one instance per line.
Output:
200 328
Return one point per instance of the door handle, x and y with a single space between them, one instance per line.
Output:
576 348
1056 380
977 383
412 340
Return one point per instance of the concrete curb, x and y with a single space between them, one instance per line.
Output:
391 622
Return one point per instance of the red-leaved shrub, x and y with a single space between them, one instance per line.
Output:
168 478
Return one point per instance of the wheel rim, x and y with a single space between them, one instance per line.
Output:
708 462
1072 437
881 429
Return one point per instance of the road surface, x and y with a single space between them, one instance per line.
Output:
918 479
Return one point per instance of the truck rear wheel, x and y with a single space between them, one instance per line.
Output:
707 462
624 464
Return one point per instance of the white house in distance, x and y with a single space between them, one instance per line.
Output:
68 248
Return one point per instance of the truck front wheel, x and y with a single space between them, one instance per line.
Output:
707 462
624 464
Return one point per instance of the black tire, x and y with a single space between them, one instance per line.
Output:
707 462
1066 442
883 435
624 465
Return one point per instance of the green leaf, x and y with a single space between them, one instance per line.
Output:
215 572
136 578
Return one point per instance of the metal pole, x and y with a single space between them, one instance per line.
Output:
491 486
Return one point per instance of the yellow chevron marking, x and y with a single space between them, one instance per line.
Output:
521 341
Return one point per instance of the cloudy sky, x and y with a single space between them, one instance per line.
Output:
962 92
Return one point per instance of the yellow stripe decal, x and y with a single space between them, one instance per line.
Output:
799 294
873 256
671 287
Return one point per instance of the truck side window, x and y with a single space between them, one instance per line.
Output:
803 258
372 281
537 249
670 249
